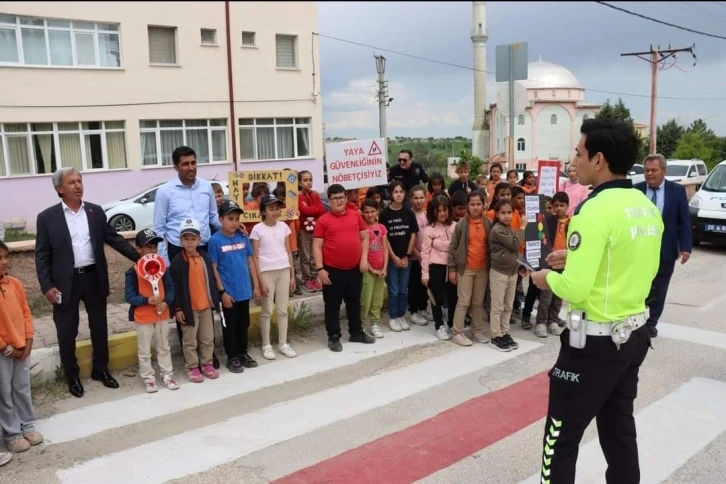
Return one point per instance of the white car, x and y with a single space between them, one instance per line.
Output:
637 173
708 208
137 212
678 170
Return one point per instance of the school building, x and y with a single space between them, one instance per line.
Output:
111 88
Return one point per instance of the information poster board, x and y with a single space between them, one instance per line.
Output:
357 163
537 242
238 180
548 177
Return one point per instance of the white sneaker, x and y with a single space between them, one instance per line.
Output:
287 350
554 329
394 325
428 315
151 386
443 333
540 330
376 330
5 457
169 383
404 324
416 318
267 352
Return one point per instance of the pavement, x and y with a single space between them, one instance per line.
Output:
408 408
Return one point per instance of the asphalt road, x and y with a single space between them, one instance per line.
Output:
407 409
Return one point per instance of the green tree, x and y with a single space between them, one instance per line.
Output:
694 144
667 136
475 163
616 111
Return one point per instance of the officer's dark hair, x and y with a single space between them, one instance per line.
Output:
369 202
561 197
432 211
182 151
615 139
459 199
408 152
334 189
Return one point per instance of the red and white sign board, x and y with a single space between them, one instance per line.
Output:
152 267
548 177
356 164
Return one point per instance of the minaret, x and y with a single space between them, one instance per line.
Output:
480 130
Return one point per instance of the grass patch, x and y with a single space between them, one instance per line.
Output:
18 235
299 323
47 390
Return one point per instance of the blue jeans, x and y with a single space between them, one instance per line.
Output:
397 282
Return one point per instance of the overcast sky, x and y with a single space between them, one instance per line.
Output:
587 38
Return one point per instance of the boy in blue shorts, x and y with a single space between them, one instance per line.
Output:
236 277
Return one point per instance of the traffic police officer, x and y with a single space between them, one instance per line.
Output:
408 171
611 259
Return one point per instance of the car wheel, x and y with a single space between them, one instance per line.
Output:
122 223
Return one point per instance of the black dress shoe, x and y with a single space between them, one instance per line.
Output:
105 378
75 387
653 331
334 344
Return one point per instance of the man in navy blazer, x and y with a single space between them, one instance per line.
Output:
672 202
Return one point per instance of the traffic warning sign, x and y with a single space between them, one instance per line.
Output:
375 150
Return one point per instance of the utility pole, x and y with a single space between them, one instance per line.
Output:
657 57
382 95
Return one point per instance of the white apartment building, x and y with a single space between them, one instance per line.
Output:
112 88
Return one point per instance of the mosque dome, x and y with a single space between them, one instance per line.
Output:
548 75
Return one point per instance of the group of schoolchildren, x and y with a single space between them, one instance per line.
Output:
454 251
457 250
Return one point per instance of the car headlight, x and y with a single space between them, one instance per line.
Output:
695 202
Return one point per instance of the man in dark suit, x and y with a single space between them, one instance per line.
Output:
71 265
672 202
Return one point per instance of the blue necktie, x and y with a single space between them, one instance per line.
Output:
654 197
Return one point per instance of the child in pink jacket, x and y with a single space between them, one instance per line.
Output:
434 257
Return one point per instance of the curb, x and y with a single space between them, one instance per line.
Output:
122 348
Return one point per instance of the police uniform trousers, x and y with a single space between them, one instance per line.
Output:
599 381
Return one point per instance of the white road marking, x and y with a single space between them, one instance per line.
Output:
94 419
712 303
692 335
223 442
670 432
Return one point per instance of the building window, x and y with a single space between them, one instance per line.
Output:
159 139
209 37
520 144
553 119
285 51
42 148
162 45
568 94
520 120
536 94
248 39
553 93
274 139
44 42
520 166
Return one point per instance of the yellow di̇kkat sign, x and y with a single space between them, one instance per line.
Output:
238 180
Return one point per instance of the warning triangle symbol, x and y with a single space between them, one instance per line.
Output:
375 150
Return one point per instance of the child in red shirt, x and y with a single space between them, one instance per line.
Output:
311 209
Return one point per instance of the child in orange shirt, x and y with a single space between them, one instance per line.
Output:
17 418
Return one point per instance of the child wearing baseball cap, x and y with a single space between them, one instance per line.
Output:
236 280
151 314
194 298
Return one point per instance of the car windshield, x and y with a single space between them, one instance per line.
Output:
716 181
677 170
143 192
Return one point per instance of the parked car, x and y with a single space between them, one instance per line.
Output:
679 170
637 173
708 208
137 212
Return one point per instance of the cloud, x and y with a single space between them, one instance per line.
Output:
352 111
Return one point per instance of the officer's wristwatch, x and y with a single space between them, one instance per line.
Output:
8 350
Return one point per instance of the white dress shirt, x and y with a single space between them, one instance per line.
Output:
80 236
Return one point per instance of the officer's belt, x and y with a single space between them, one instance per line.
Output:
606 329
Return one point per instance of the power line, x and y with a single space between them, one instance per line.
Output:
469 68
148 103
715 36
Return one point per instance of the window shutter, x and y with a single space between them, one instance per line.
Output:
162 48
286 51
